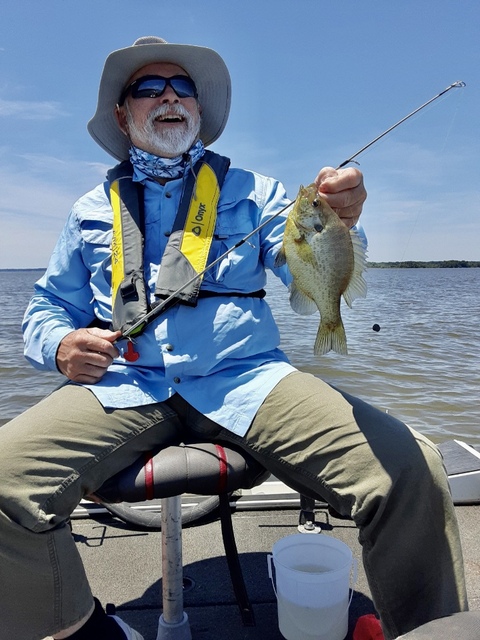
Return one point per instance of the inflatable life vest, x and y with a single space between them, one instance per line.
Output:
188 246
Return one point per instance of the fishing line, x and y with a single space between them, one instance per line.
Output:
172 299
454 85
440 153
452 121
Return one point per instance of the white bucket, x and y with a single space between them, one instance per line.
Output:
312 579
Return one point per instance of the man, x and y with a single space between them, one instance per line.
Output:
209 364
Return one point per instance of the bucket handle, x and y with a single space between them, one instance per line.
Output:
270 573
353 570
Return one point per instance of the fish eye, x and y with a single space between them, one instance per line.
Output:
315 203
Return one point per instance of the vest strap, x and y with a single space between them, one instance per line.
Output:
129 295
188 246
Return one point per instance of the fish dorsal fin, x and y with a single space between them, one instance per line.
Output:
301 303
357 287
280 258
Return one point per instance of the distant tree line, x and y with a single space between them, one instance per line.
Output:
408 264
434 264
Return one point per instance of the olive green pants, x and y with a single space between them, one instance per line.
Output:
329 445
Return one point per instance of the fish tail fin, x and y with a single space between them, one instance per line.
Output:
331 338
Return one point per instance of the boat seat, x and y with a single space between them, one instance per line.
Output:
207 469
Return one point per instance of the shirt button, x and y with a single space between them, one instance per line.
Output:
169 347
176 380
168 194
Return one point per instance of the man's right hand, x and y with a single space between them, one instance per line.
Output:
84 355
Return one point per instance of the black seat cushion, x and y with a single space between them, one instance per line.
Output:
198 468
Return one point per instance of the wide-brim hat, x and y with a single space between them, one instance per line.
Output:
205 66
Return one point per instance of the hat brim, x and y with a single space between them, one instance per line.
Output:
203 65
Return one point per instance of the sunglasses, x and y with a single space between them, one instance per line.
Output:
155 86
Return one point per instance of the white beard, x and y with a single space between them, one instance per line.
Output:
171 142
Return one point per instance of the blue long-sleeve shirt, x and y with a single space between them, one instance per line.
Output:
221 356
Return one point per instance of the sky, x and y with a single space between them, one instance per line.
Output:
312 82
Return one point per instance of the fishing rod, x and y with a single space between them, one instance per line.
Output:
157 310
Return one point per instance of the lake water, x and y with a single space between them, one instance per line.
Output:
422 366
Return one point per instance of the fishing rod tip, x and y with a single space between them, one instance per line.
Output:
459 83
345 162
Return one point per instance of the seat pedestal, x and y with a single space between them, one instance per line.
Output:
173 623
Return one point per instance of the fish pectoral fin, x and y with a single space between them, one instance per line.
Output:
357 287
330 339
280 258
300 302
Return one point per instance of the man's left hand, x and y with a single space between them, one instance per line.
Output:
344 191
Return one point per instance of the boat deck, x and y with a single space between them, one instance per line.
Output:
124 567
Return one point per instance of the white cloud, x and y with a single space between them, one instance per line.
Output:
33 209
421 204
440 226
68 171
27 110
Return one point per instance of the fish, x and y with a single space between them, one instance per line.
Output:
326 261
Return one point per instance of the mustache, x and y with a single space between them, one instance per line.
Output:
169 110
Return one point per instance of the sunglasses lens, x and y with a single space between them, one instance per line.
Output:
184 87
149 88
